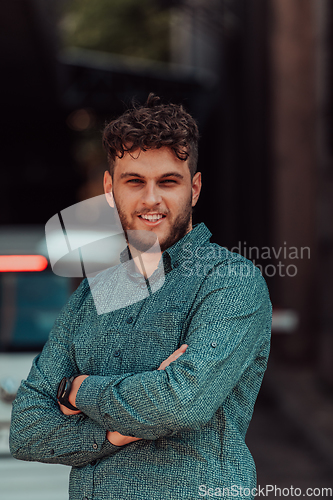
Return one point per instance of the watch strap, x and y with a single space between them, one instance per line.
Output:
64 390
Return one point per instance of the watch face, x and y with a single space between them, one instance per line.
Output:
61 388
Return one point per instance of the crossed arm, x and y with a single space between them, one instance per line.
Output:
228 333
115 437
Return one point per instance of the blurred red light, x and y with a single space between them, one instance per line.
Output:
22 263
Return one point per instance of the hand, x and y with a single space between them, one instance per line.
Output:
72 396
67 411
118 439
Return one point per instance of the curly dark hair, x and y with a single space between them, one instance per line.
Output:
153 126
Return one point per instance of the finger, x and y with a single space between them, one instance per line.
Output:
178 352
119 439
181 350
175 355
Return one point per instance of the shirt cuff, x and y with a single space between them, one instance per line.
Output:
88 397
84 442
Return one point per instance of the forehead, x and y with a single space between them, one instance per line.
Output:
152 163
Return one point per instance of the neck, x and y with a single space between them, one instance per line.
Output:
146 262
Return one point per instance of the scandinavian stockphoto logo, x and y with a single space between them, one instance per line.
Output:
86 240
275 261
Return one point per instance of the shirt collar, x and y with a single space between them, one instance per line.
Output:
173 256
125 255
197 237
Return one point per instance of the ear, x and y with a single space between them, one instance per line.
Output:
108 188
196 188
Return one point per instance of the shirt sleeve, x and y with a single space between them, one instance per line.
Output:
228 342
39 430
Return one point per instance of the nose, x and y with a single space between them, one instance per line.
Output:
151 195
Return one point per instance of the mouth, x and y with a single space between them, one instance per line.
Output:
152 219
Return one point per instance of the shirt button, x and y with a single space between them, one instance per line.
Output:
213 344
176 264
51 452
129 320
116 354
95 446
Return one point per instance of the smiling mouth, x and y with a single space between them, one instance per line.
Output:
152 217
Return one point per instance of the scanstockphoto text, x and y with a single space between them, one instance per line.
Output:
238 491
274 261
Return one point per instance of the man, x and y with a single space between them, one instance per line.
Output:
164 388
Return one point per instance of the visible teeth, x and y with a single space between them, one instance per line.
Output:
152 218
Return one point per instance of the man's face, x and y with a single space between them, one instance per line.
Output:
153 191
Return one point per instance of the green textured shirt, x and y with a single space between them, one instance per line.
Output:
192 416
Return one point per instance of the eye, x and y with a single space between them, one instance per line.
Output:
169 181
135 181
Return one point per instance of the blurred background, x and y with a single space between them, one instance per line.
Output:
258 77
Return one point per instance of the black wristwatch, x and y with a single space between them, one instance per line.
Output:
63 392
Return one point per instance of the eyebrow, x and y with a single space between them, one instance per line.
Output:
173 174
135 174
131 174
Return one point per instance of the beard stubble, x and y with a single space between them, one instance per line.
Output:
179 228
